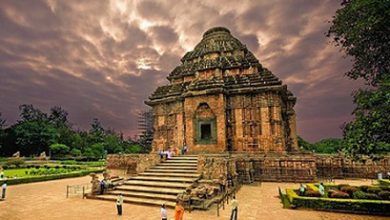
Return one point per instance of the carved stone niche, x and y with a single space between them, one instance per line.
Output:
205 128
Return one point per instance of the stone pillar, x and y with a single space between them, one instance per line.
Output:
293 131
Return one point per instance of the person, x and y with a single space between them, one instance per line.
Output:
169 154
119 203
321 189
1 173
234 205
302 190
164 215
4 187
222 183
185 149
102 185
179 211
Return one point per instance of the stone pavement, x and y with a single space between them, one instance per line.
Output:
47 200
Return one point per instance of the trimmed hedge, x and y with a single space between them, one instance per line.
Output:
50 177
376 207
384 182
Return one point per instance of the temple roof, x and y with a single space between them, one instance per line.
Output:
218 49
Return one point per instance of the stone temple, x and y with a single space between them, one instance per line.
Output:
238 121
221 99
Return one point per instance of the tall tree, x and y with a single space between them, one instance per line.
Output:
362 29
59 117
30 113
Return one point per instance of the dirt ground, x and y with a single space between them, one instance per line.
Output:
47 200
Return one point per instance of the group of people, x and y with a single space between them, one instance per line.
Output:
167 154
321 189
179 209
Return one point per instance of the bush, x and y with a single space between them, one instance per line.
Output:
363 195
342 185
374 189
349 189
364 188
17 162
339 194
344 205
50 177
312 193
385 195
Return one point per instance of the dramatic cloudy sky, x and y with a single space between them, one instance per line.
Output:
98 58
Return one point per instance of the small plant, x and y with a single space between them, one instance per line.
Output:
339 194
364 188
374 189
17 162
349 189
385 195
363 195
312 193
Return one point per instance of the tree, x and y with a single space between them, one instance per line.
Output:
97 131
33 137
362 29
2 132
95 151
29 113
59 149
59 117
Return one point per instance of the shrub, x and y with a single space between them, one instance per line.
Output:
363 195
339 194
364 188
374 189
37 166
349 189
312 193
385 195
15 161
342 185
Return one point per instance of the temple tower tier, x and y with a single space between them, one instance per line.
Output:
222 99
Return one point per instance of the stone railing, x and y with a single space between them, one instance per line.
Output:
338 166
130 164
258 167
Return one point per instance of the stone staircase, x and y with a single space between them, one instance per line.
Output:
159 184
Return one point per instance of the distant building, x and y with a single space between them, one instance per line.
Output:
145 129
222 99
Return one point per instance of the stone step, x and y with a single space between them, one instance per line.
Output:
180 162
170 171
134 200
194 175
194 165
164 179
156 184
149 189
184 158
173 167
144 195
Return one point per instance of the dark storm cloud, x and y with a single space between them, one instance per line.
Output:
104 58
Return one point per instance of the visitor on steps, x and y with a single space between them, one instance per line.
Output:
179 211
163 212
4 189
119 203
169 153
234 205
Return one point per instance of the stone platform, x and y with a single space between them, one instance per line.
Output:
158 184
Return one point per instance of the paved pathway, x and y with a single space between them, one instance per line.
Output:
46 200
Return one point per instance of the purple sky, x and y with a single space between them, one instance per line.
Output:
104 58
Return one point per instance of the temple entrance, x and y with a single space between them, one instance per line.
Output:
205 125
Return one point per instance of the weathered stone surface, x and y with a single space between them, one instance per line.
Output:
221 99
130 164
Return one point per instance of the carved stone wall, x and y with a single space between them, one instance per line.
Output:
340 167
258 167
130 164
